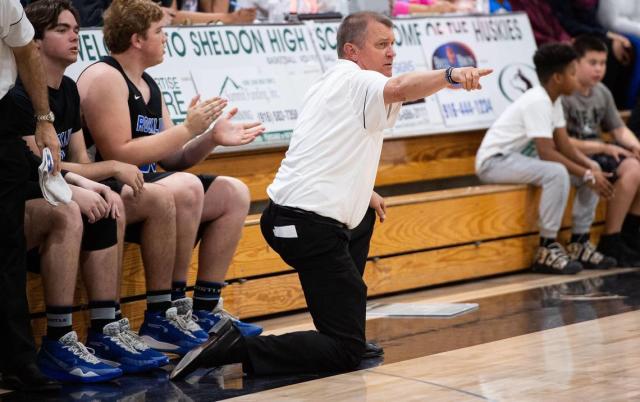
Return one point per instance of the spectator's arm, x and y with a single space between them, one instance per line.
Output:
559 149
611 17
626 138
589 147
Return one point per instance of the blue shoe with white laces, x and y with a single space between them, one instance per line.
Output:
68 360
136 341
207 319
185 310
112 347
168 332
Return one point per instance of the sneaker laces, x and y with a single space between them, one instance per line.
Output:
178 321
185 310
222 313
133 338
78 349
191 320
124 342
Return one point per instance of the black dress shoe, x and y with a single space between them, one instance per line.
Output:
372 350
222 337
29 378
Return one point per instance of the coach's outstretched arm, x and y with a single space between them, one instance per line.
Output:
419 84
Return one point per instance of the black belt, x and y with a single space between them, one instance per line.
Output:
303 213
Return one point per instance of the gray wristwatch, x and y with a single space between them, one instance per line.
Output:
49 117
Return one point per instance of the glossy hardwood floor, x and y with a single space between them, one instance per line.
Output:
534 337
597 360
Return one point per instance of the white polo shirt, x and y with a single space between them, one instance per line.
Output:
332 161
531 116
15 31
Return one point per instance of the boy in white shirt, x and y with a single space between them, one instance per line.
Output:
529 144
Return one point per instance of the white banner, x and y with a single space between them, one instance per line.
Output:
265 70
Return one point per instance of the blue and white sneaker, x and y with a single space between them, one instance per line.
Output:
136 341
168 332
207 319
68 360
185 310
113 347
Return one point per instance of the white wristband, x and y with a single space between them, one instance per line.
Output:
589 177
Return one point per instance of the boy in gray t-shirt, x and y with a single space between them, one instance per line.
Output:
588 112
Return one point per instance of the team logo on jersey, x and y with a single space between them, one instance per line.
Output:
516 79
64 138
453 54
149 125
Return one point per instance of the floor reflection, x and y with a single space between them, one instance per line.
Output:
498 317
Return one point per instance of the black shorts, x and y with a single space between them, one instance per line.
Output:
608 164
95 236
133 233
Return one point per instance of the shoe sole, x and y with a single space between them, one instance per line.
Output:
65 377
221 336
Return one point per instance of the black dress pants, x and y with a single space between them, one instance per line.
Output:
329 259
16 341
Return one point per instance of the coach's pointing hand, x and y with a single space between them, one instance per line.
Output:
469 77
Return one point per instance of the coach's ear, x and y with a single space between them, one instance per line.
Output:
351 52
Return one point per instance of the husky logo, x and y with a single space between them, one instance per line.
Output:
516 79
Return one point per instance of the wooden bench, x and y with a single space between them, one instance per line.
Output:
429 238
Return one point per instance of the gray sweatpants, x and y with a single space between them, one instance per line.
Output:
554 179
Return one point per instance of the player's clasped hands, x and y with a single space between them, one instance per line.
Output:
200 115
469 77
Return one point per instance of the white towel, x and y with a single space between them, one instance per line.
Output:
54 188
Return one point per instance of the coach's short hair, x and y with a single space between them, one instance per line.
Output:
585 43
43 14
353 28
552 58
124 18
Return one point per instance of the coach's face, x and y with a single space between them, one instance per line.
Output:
377 52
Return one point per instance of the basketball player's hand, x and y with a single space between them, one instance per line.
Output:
226 132
602 185
616 152
91 204
469 77
377 203
46 138
130 175
112 202
200 115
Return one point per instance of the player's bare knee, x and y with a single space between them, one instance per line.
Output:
235 193
67 217
189 194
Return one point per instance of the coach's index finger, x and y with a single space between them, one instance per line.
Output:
484 71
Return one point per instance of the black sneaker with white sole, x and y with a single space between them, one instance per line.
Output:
590 258
553 259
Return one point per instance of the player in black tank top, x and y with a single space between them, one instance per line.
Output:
145 118
221 208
